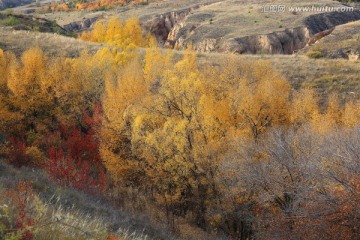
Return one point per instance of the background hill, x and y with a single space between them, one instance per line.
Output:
224 26
13 3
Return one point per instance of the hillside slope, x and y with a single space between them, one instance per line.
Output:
343 42
66 213
241 26
13 3
229 26
20 40
23 22
181 143
326 75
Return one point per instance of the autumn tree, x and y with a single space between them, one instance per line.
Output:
177 122
122 92
30 92
351 115
229 147
124 35
2 65
260 100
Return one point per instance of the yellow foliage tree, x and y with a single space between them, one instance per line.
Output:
261 100
351 115
304 107
114 32
29 85
177 122
122 92
2 66
331 119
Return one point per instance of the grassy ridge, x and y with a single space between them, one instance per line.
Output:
21 22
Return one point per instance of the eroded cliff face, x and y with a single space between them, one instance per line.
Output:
166 25
170 27
281 42
174 31
230 27
80 26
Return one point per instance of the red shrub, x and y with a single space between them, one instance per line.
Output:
21 199
75 173
78 164
17 153
111 238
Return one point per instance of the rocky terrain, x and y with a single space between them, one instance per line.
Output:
230 26
223 26
211 27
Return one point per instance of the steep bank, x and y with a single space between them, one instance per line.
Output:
229 26
82 25
173 30
344 42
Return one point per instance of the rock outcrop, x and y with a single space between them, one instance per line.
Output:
214 26
282 42
166 27
80 26
344 42
173 30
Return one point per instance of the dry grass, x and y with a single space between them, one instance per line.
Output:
325 75
225 18
69 214
344 40
19 41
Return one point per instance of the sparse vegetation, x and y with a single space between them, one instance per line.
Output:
9 21
20 22
342 43
31 207
315 53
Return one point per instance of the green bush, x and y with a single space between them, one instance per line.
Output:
315 53
9 21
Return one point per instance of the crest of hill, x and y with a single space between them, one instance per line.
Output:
230 26
13 3
19 41
24 22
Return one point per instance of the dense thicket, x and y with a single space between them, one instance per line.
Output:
232 150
